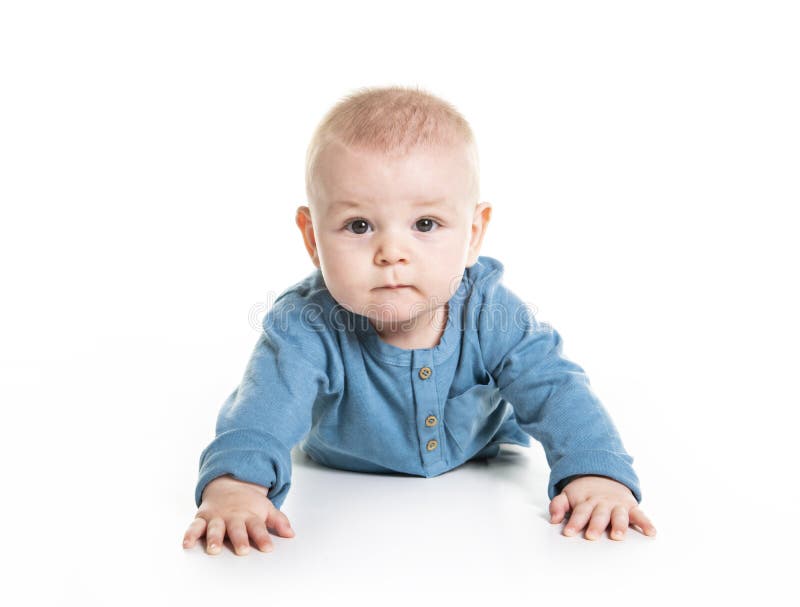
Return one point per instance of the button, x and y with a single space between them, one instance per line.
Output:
432 444
431 421
425 372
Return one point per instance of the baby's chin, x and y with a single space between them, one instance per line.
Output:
399 310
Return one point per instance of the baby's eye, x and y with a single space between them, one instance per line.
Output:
359 226
426 224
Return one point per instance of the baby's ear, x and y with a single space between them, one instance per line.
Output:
303 221
480 221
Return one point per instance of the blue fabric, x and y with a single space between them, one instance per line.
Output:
321 376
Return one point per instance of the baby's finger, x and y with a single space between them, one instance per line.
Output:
215 533
558 508
238 535
195 530
579 517
619 522
638 518
258 532
600 519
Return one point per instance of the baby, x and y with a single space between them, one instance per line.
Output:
403 352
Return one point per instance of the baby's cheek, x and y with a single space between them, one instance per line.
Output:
343 294
449 272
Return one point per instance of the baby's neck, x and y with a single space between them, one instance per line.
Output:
426 332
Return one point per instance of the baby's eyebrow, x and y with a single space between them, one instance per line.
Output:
346 204
430 203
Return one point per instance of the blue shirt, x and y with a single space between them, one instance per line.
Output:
321 374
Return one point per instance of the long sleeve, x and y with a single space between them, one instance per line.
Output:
551 395
270 411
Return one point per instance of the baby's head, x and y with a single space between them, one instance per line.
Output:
392 183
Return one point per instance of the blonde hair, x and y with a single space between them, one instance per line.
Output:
391 120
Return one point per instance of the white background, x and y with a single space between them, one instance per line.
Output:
642 159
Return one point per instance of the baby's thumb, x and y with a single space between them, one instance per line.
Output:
558 507
280 523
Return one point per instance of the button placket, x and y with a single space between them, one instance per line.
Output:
425 395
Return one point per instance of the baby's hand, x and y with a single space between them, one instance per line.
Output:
603 499
243 510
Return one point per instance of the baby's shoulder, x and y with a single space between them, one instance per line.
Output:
484 282
311 290
300 309
496 315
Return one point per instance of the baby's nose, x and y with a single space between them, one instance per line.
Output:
391 250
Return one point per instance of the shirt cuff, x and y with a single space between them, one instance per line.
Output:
249 456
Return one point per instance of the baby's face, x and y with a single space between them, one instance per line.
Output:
391 235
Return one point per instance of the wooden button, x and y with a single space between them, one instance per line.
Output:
425 372
432 444
430 421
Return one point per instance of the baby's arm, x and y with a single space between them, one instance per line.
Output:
257 426
554 403
240 509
